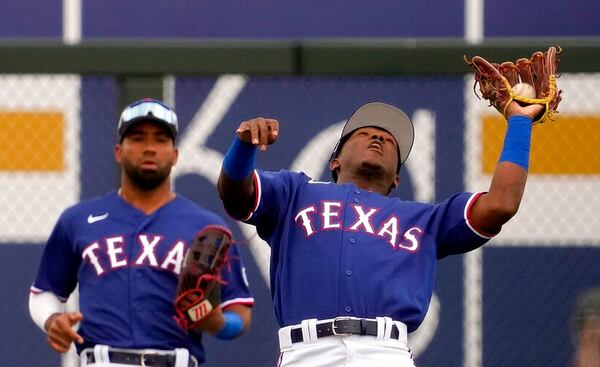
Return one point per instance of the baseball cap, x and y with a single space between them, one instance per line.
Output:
148 109
383 116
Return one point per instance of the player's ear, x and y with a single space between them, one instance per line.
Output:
334 164
117 152
175 156
396 182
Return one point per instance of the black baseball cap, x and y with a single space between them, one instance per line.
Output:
148 109
383 116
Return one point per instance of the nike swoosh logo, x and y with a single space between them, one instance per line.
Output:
93 219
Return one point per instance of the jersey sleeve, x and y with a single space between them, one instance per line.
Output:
457 234
274 193
59 265
236 289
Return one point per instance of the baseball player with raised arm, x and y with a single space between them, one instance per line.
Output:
352 270
125 249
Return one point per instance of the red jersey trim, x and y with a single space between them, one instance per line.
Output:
35 291
467 214
238 301
257 194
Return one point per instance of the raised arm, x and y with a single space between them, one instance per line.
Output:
502 201
235 185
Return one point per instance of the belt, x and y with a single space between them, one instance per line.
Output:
140 359
344 327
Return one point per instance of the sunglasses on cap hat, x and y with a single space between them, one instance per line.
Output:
148 109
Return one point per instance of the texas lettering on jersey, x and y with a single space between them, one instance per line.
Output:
342 236
110 253
126 265
329 213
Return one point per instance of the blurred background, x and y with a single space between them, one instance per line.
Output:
68 67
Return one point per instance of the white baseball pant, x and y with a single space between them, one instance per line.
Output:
348 350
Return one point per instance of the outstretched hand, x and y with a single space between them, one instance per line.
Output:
259 131
497 82
532 110
60 331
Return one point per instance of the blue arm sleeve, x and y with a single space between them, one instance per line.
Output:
517 141
240 159
232 328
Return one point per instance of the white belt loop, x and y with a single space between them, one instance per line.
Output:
309 331
312 329
182 357
403 332
101 354
388 328
380 328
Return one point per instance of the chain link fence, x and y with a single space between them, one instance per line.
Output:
509 301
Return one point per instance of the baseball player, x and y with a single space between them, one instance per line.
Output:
125 249
352 270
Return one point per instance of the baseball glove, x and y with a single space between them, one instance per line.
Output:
199 286
497 81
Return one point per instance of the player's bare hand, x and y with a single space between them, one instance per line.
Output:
60 330
532 110
259 131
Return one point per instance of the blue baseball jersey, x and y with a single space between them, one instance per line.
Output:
127 265
338 250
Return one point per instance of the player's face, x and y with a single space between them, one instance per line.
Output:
147 154
370 151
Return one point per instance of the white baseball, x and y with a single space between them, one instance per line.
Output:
524 89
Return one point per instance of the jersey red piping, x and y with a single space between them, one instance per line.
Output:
474 228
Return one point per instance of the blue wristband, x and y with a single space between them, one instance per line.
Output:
232 328
517 141
240 159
